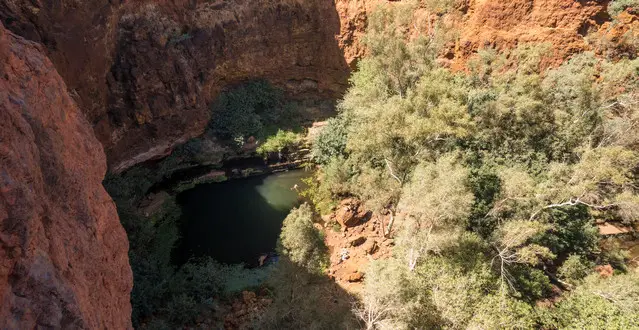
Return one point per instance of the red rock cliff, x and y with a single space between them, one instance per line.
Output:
63 252
144 72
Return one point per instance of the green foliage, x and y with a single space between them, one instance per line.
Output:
248 110
437 193
573 232
617 6
574 269
180 309
530 284
485 185
440 6
303 297
303 300
332 182
495 312
613 254
514 163
279 141
331 142
164 295
301 242
599 303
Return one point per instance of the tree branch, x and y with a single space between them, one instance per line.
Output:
573 202
390 169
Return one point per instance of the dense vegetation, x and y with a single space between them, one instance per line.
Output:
303 297
167 294
279 142
496 176
616 7
254 109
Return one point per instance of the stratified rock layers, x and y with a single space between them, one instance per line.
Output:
63 252
144 72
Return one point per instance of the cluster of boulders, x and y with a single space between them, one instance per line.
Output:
360 238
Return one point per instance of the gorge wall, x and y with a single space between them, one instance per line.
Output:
63 252
143 74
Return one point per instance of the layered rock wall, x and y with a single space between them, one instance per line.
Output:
63 252
144 72
563 24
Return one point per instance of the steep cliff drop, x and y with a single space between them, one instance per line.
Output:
145 72
63 252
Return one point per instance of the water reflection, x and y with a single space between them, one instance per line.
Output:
239 220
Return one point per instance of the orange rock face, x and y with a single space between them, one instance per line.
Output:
144 72
505 24
63 252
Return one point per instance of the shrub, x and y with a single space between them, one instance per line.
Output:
331 141
616 7
278 142
574 269
181 309
599 303
301 242
244 111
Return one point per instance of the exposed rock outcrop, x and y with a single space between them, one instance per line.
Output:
159 64
562 24
350 212
63 252
144 72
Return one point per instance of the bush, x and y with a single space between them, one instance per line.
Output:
331 141
599 303
616 7
182 309
574 269
301 242
278 142
246 110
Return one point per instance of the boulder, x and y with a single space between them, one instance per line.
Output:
357 241
371 246
350 212
355 277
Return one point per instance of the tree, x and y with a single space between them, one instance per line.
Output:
278 142
574 269
494 178
331 141
599 303
301 242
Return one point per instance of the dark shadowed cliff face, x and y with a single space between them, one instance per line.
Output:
146 71
63 252
173 59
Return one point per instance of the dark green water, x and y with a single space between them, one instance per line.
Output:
238 220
